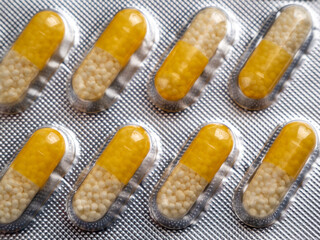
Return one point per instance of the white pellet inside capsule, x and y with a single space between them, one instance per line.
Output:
16 74
16 192
95 74
270 181
96 194
180 192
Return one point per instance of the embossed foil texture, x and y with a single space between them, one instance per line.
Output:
300 99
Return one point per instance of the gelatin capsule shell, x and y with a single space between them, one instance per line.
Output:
104 188
33 56
273 54
28 181
266 188
194 176
111 63
185 70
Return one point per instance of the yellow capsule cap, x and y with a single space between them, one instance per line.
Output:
208 150
263 70
179 71
125 152
41 37
40 155
124 35
292 148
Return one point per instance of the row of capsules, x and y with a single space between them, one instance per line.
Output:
194 176
44 44
179 78
103 189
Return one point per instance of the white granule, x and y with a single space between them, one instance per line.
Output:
95 74
290 29
16 192
96 194
180 192
266 190
206 31
16 74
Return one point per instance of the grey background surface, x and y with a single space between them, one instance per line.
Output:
299 100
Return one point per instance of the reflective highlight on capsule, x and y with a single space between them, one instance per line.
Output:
29 54
29 172
272 57
279 169
112 171
195 170
110 55
191 54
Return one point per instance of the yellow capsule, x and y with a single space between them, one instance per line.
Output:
29 54
189 57
275 52
280 167
113 170
29 172
195 170
111 53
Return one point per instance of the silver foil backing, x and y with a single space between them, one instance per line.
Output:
299 100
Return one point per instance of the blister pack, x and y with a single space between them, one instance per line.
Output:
159 119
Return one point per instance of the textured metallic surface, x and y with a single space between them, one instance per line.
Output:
299 99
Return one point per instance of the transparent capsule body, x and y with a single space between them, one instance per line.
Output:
33 58
273 54
186 69
112 61
194 176
265 190
104 188
32 176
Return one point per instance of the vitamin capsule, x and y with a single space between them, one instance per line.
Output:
264 191
110 55
272 57
280 167
188 59
113 170
29 172
29 55
196 169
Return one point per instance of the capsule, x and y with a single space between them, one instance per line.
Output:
113 170
274 54
279 169
188 59
29 55
195 170
110 54
29 172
